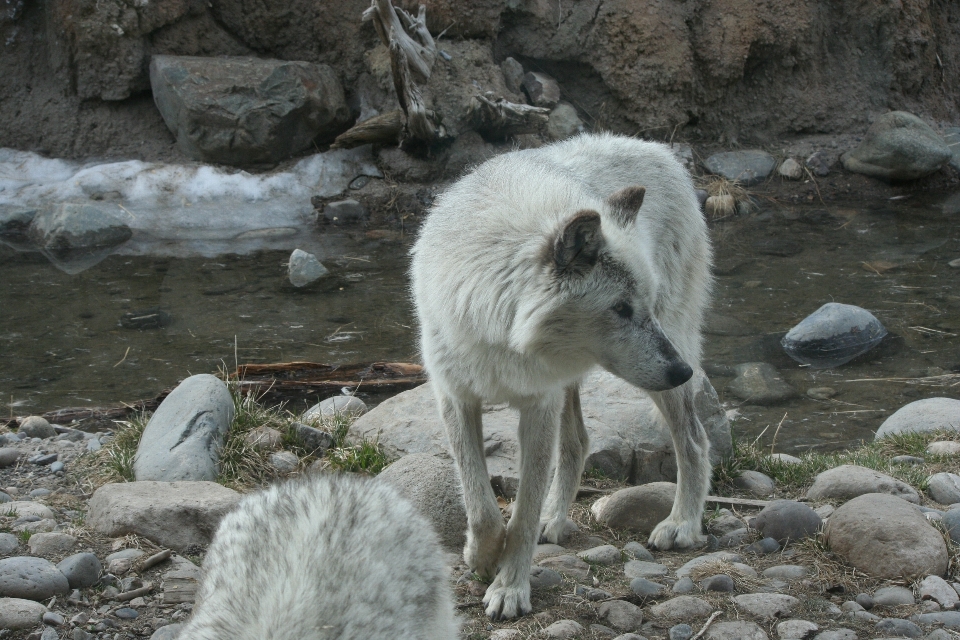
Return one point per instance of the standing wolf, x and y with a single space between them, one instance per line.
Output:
324 558
532 269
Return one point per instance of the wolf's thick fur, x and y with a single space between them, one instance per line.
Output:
324 558
532 269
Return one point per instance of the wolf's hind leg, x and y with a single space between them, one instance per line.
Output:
573 447
485 530
684 525
509 594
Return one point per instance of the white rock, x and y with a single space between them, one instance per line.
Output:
325 410
304 268
172 514
50 544
785 458
796 629
767 605
717 556
17 613
938 589
929 414
849 481
790 169
944 487
786 572
604 554
943 448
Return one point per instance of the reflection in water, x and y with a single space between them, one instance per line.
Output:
63 337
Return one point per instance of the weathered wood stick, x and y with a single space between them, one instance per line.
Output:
383 129
499 117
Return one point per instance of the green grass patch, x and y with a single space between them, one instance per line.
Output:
116 457
877 455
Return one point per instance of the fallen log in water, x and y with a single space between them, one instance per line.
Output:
279 381
298 378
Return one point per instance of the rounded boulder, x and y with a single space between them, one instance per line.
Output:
638 508
929 414
433 486
886 537
785 520
850 480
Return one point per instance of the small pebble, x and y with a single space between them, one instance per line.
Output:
721 582
683 585
56 466
681 632
765 546
638 551
52 618
865 600
907 460
126 613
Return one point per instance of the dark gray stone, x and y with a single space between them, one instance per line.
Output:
244 111
14 222
45 459
897 628
865 600
126 613
512 75
315 440
9 456
898 146
683 586
734 538
746 167
764 546
638 552
53 619
31 578
81 570
70 231
760 383
183 438
621 615
720 582
833 335
594 595
819 162
907 460
542 89
681 632
754 482
785 520
646 589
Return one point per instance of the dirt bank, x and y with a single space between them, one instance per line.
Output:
731 72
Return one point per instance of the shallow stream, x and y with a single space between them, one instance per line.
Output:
63 344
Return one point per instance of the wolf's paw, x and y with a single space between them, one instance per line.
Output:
556 530
503 602
671 534
482 552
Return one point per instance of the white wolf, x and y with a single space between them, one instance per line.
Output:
324 558
535 267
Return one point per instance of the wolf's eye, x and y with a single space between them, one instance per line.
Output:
623 309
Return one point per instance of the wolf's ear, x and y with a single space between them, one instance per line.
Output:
577 246
626 204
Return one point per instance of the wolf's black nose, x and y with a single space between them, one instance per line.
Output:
678 373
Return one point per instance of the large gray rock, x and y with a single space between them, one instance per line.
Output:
949 619
682 608
886 537
37 427
68 231
172 514
621 615
183 438
17 613
937 589
245 111
27 508
786 520
433 486
746 167
944 487
929 414
760 383
31 578
638 508
833 335
893 597
898 146
849 481
754 482
628 438
767 605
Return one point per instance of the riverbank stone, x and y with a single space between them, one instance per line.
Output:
748 167
939 590
628 438
943 448
247 111
898 146
433 486
303 268
31 579
70 230
19 613
621 615
849 481
183 438
81 570
951 520
760 383
833 335
638 508
787 520
886 537
767 606
736 630
893 596
327 410
944 487
683 608
755 483
921 416
796 629
37 427
172 514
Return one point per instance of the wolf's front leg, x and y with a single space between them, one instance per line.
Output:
573 446
509 595
485 531
683 528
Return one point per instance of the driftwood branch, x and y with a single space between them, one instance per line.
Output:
499 118
412 52
308 378
383 129
411 34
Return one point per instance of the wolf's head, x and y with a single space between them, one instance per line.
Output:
606 303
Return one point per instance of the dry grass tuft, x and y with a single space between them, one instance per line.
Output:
744 582
829 571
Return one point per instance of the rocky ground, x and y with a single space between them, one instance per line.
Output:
797 547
